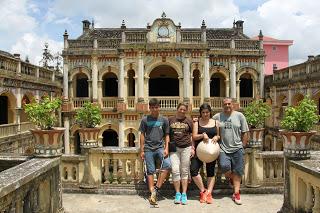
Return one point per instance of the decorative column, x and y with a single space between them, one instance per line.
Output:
18 109
121 131
94 79
65 79
227 82
233 84
100 91
289 97
121 106
66 135
140 78
186 79
206 81
261 75
238 89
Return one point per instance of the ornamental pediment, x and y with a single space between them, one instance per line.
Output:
163 30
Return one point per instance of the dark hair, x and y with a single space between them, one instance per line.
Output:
205 106
154 102
182 104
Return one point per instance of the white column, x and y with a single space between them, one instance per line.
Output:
238 89
140 78
206 78
121 132
233 84
261 70
186 78
227 88
95 79
37 96
65 79
289 97
121 78
66 135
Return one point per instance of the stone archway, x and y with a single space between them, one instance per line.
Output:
110 85
80 85
8 105
110 138
246 85
163 81
217 85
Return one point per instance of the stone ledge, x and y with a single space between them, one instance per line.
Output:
311 166
115 150
15 177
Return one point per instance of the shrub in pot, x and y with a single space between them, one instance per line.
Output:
296 127
256 112
48 139
88 117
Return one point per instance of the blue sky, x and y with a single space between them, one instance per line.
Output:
28 24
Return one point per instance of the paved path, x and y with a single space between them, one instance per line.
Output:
96 203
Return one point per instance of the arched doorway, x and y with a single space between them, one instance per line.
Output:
7 108
77 147
131 83
110 85
110 138
163 81
196 83
82 86
131 138
217 85
246 85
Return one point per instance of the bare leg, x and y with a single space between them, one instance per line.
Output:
184 184
176 185
236 183
161 178
150 183
198 181
211 181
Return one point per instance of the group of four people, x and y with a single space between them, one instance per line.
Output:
228 128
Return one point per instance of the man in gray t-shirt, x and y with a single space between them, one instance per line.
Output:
233 131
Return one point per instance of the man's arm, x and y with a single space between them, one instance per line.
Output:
166 148
142 145
244 138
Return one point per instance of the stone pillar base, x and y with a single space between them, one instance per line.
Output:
142 107
121 107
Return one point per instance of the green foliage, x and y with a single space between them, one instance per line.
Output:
43 113
256 112
301 118
89 115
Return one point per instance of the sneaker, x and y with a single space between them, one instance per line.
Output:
203 196
153 198
177 198
209 198
184 199
236 198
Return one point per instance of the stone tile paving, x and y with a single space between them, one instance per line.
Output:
96 203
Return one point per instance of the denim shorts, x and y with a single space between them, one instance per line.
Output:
151 157
232 162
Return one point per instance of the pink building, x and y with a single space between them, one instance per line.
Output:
277 53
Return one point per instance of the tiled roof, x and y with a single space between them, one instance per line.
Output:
224 33
4 53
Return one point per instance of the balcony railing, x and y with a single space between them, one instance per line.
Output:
196 102
168 103
131 102
244 102
78 102
8 129
216 102
109 102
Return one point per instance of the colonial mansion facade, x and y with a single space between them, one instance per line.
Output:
120 69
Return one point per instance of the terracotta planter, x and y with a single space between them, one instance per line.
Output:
297 144
89 137
48 143
255 137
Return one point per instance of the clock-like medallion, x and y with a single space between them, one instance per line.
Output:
163 31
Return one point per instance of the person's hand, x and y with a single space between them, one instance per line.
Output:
215 139
192 152
165 153
205 137
195 119
142 155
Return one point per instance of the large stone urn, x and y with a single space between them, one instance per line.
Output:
48 143
256 137
296 147
89 137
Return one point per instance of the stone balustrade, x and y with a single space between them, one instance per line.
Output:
8 129
190 37
112 43
168 103
245 44
109 103
32 186
131 102
244 102
136 37
78 102
196 102
305 184
83 43
216 103
218 43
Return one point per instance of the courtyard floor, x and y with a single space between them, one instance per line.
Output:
97 203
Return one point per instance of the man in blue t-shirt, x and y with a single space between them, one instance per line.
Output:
154 130
233 132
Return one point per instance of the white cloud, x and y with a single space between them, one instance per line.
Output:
32 45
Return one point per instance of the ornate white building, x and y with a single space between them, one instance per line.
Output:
121 68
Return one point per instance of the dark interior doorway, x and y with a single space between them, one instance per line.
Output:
4 109
110 138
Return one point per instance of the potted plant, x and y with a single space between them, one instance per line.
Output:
48 141
88 117
256 112
297 124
